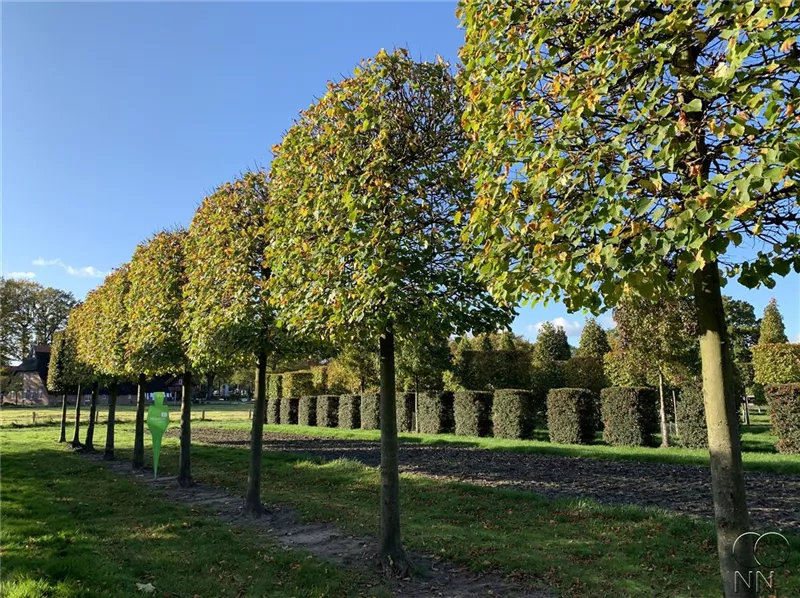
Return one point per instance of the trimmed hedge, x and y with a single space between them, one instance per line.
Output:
630 415
513 413
436 412
691 418
289 408
297 384
472 411
274 411
546 375
274 386
571 416
370 411
485 370
319 378
405 411
328 411
784 412
585 372
307 411
776 364
350 412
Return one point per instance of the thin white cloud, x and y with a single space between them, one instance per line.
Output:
28 275
86 271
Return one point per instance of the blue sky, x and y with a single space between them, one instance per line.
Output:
118 118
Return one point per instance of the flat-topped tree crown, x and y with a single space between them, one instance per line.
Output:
227 316
78 367
367 196
154 305
65 372
103 339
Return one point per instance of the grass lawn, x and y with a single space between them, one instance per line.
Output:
576 548
758 441
72 528
51 415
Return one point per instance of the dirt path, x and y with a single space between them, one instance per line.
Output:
328 543
774 499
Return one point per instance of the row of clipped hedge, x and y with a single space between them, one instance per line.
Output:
572 415
627 416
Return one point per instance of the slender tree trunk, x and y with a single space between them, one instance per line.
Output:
76 440
390 547
210 387
675 411
252 503
727 480
63 437
746 412
185 472
663 412
416 404
89 444
138 434
108 455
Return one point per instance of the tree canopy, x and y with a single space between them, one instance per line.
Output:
773 329
639 143
743 327
154 305
551 344
366 201
29 312
594 340
661 337
227 316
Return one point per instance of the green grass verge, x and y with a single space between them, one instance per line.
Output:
577 548
753 460
758 442
71 528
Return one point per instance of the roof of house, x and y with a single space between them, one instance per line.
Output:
38 362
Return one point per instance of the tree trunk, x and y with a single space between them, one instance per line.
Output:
108 455
663 412
63 437
252 503
746 412
416 404
390 548
76 440
210 387
727 480
675 411
138 434
89 444
185 471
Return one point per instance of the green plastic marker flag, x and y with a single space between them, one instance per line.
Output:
157 421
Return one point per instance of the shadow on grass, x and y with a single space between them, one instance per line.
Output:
71 528
578 547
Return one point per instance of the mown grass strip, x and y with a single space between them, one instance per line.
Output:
578 548
72 528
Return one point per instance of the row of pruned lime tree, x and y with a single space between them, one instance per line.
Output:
355 238
628 149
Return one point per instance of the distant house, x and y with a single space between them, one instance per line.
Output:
29 384
30 379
